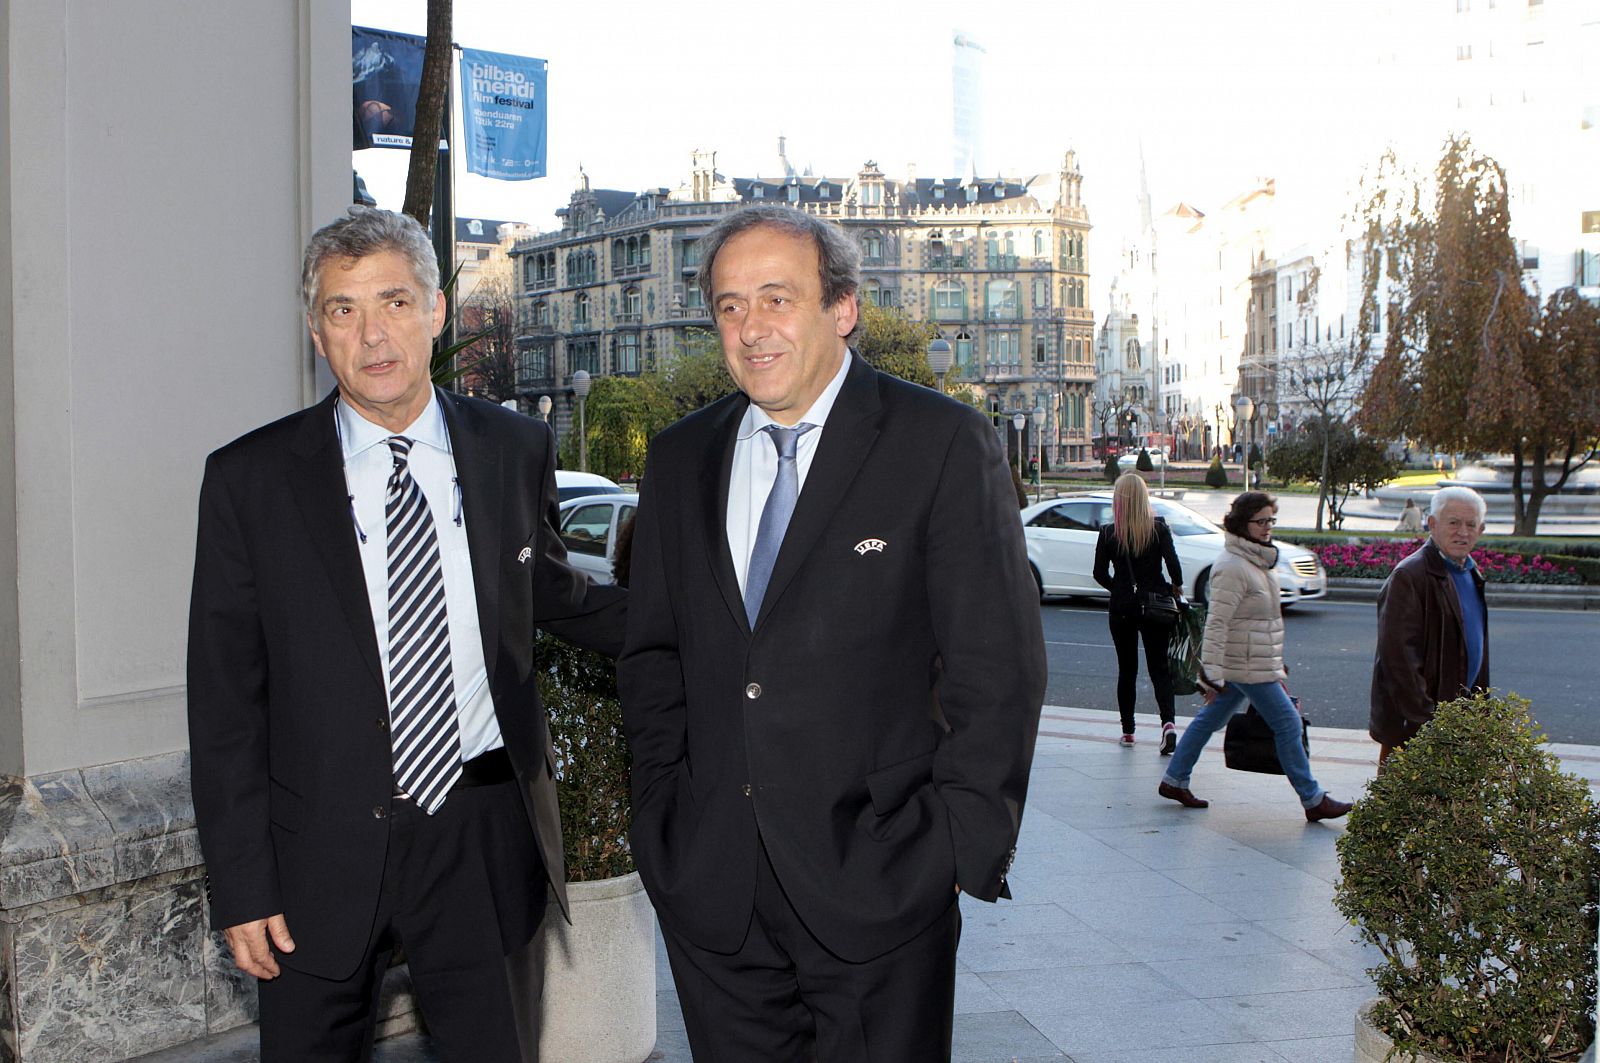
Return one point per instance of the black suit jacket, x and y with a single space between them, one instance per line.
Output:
288 717
878 724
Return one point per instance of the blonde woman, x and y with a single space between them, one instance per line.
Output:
1127 562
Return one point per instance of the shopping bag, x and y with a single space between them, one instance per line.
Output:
1183 650
1250 744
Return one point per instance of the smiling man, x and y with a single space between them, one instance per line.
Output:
371 767
832 676
1433 624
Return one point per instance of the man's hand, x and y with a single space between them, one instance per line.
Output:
250 948
1208 693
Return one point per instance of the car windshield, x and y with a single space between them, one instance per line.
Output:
564 493
1184 521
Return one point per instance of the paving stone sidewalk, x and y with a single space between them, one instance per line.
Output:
1140 931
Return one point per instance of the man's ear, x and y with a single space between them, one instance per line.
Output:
438 313
316 339
845 313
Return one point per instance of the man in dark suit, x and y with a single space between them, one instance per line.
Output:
832 676
371 765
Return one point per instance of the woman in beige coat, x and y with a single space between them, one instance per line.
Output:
1242 658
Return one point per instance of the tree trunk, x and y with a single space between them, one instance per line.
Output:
1322 480
1519 509
431 102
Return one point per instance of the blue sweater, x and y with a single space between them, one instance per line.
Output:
1471 614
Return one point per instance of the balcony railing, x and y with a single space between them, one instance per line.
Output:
688 313
630 317
630 269
947 261
1003 262
541 284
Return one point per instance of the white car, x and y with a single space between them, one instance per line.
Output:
1129 459
571 484
1061 535
589 525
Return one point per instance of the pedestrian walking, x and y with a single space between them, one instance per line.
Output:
1127 562
1433 624
1242 659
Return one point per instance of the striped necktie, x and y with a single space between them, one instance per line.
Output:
422 698
774 516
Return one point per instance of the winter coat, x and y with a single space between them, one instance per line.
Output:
1243 641
1421 658
1135 574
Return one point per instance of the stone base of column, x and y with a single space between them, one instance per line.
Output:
106 947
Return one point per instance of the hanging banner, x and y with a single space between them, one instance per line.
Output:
504 110
385 73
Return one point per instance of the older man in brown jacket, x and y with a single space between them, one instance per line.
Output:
1433 624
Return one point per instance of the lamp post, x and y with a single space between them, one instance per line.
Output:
940 355
544 408
580 387
1019 421
1038 432
1245 407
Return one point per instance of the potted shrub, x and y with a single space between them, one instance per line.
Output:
1143 462
1112 469
1216 475
600 987
1471 865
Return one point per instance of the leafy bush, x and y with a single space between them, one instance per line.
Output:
1471 865
1376 559
1216 475
1112 470
579 691
1144 464
1255 455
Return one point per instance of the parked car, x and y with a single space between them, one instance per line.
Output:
589 526
1061 535
577 484
1128 459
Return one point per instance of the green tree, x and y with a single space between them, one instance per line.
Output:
1335 457
1143 462
894 343
1327 377
696 377
1470 362
1112 469
617 419
1216 475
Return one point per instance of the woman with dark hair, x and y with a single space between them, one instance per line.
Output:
1241 659
1127 562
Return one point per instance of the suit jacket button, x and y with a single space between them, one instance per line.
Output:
747 789
378 812
383 724
753 691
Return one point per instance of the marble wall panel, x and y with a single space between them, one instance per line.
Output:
151 813
111 979
8 1014
56 841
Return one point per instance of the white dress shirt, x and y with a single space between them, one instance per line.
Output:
368 463
755 467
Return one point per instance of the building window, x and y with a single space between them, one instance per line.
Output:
1000 301
541 312
533 366
1040 355
757 192
1463 51
1041 294
1005 347
580 311
632 306
949 301
585 355
691 254
871 194
627 353
964 349
872 245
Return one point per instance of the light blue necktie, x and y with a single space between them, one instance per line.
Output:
774 516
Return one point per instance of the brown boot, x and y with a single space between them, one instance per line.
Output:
1327 808
1184 796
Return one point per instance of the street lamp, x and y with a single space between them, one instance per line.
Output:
1019 421
544 407
1245 407
940 355
1038 431
580 388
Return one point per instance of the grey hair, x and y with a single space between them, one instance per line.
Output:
838 256
1446 495
369 231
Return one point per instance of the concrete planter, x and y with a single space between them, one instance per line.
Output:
1374 1046
600 975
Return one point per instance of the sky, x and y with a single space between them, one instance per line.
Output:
1212 94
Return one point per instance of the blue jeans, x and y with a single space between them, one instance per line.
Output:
1273 703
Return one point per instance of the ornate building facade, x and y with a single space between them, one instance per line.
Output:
997 265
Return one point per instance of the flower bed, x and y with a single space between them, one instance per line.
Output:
1376 559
